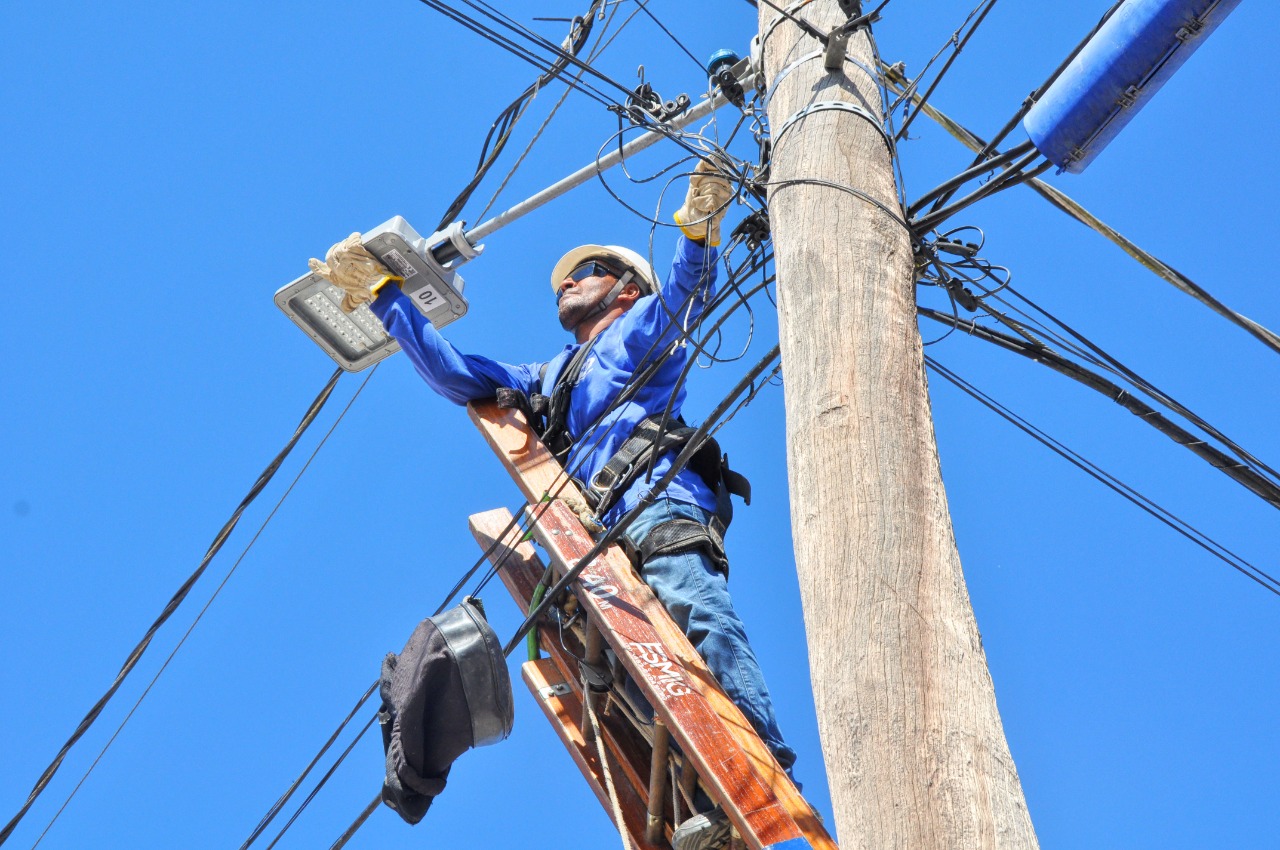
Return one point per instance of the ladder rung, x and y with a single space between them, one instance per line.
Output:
658 766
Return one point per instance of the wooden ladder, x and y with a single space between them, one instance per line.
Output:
698 737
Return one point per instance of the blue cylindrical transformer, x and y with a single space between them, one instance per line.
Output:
1114 75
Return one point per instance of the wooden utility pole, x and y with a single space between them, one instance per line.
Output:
914 748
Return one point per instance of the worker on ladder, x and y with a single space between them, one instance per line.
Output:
626 325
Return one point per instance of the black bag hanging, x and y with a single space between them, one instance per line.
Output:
446 692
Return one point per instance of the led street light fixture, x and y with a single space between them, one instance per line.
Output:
357 340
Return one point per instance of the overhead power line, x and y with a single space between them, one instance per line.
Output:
135 656
1072 208
212 598
1213 547
958 44
1241 473
500 131
534 57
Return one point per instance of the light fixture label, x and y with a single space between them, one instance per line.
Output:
402 266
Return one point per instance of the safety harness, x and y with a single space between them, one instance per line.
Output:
652 438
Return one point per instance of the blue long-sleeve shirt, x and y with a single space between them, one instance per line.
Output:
635 339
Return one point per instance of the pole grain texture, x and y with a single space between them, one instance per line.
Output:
915 751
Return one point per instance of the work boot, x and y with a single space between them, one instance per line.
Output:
708 831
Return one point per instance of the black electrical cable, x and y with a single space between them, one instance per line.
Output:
1267 490
596 51
971 173
1106 360
857 193
524 53
507 22
644 7
1165 516
679 139
679 382
580 31
356 824
955 54
915 83
284 798
800 22
1091 353
324 779
181 594
200 615
1016 173
527 55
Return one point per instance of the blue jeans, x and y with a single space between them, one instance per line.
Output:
696 596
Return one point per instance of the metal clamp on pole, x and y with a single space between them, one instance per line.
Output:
459 248
645 101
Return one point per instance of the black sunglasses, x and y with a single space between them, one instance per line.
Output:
591 268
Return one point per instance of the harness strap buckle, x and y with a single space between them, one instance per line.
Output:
645 442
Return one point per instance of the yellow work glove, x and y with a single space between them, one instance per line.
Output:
705 205
350 267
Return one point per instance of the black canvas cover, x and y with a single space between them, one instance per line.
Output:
446 692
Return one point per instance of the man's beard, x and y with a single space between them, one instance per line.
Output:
573 309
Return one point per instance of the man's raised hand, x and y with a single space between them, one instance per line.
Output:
349 266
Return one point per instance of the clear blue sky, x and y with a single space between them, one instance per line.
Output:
165 168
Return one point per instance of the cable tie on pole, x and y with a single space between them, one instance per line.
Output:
837 105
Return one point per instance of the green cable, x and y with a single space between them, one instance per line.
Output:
531 640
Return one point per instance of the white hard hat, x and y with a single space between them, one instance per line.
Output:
628 259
